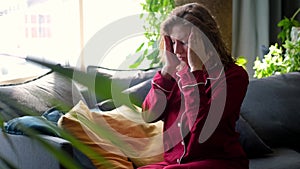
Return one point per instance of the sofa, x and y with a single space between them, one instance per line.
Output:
268 125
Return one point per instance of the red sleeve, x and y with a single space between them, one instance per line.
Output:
192 85
205 110
159 95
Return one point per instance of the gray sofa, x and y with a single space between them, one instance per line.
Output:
271 108
269 127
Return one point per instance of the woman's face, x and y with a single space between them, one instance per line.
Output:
180 36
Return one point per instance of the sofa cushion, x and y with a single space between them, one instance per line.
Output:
252 144
282 158
271 107
128 77
107 155
120 81
135 95
138 93
35 96
125 135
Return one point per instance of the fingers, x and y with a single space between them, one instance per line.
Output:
196 51
171 61
196 42
168 44
171 58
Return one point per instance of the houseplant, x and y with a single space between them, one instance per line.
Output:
281 58
156 12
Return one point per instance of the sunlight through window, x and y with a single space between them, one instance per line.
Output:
59 30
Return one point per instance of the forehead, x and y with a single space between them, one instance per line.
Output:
180 32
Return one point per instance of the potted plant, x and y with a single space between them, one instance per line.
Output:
284 58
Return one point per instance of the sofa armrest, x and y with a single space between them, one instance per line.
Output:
25 152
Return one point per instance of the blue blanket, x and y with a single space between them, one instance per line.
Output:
45 124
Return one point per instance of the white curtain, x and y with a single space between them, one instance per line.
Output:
250 29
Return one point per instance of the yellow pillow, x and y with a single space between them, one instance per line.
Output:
131 138
73 125
144 139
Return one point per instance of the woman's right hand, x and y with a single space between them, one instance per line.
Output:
171 61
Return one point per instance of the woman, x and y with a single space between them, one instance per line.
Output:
198 94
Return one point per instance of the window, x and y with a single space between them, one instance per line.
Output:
60 30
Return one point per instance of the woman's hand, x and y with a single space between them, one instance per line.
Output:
171 61
197 55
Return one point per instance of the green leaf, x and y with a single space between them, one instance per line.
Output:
141 15
241 61
139 48
157 11
287 24
283 22
137 62
155 61
153 54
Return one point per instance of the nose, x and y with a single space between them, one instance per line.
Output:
178 47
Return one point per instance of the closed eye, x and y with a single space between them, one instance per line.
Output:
181 42
184 43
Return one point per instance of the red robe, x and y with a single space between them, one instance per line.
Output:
199 110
